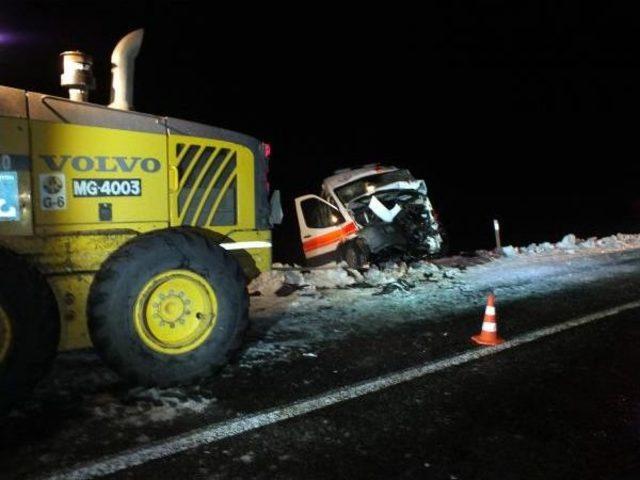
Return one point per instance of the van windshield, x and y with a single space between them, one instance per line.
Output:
369 184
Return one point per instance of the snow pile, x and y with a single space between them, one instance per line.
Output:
285 279
328 278
571 244
398 276
267 283
141 406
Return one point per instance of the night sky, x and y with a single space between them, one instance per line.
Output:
526 113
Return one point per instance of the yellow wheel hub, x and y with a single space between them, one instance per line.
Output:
5 334
175 312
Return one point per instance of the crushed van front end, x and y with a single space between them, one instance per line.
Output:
397 219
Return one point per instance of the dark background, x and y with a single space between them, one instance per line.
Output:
525 113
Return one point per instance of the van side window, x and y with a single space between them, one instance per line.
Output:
318 214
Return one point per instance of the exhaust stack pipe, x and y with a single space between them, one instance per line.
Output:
122 67
77 75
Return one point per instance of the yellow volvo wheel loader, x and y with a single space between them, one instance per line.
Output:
130 232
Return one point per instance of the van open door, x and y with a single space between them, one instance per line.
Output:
322 229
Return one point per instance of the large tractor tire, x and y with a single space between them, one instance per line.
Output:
29 328
168 308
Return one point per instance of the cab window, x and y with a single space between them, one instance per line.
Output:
318 214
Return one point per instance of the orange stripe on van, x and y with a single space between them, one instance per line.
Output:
329 238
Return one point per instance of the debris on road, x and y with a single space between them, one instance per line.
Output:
140 406
247 457
341 276
395 287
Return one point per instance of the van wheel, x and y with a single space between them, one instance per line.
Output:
29 328
168 308
355 253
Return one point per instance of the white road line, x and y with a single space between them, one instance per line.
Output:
219 431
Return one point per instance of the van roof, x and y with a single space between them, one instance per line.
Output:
344 176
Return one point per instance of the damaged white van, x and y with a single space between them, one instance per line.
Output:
370 213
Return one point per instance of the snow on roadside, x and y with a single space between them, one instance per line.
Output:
571 244
296 310
285 279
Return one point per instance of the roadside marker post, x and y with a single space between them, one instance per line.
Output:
496 230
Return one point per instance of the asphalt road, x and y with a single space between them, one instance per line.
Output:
564 406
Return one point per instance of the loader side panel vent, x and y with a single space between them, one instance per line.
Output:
185 162
207 188
226 214
220 211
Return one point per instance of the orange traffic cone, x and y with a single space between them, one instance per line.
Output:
489 333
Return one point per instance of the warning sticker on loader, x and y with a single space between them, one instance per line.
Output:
53 191
9 199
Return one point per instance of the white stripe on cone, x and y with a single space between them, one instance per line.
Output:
490 310
489 327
